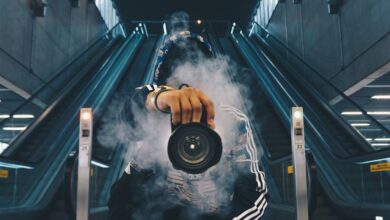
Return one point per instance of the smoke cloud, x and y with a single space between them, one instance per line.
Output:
179 21
207 193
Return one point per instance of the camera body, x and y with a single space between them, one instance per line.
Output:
194 147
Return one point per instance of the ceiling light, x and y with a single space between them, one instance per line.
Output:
351 113
378 113
360 124
368 139
370 113
4 116
382 139
14 128
199 21
380 144
23 116
380 97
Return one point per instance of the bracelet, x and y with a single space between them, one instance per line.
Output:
183 85
156 94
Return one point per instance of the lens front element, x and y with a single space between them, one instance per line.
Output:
194 148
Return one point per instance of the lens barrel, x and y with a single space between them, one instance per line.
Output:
194 148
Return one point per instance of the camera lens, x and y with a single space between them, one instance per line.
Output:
194 148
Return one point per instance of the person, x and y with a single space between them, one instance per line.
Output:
157 192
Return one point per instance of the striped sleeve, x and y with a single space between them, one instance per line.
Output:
138 99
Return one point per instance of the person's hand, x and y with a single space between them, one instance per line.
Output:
186 104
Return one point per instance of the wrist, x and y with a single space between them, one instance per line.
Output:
152 99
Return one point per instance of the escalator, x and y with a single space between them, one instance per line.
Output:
36 160
108 161
341 156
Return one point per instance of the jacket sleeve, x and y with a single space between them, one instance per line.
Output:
136 101
128 193
133 112
119 203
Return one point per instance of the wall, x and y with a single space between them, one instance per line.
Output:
344 47
33 48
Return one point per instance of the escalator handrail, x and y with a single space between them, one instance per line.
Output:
64 69
355 205
369 156
338 91
356 137
47 186
21 137
372 155
120 148
334 114
112 61
149 78
47 111
286 117
323 131
145 80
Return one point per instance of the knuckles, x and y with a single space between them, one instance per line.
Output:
197 109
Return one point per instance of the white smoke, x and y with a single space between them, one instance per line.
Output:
147 142
179 21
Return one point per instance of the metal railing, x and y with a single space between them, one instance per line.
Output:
37 102
355 188
335 98
36 187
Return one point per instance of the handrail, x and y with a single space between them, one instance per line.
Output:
291 100
368 156
19 139
35 199
319 130
59 72
335 115
339 190
119 148
341 93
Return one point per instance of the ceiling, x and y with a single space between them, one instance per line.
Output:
158 10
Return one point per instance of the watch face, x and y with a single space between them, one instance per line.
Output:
194 148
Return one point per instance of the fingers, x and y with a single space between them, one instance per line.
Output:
209 106
196 109
186 106
186 109
175 111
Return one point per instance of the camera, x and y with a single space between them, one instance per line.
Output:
194 147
